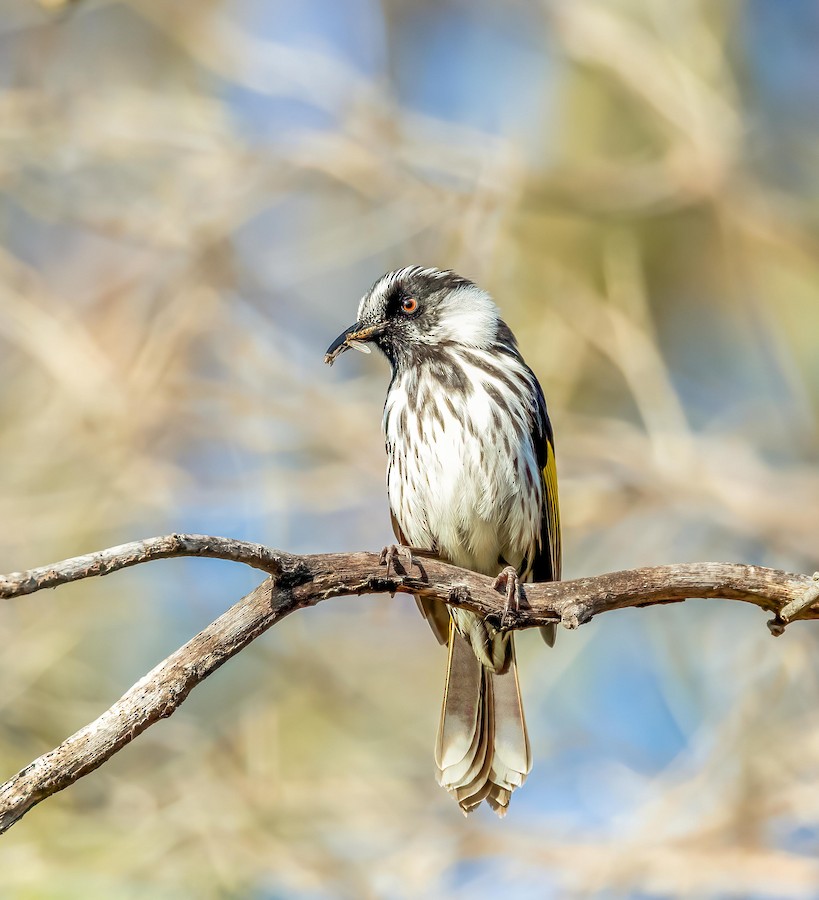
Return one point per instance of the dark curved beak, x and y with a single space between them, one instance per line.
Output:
355 336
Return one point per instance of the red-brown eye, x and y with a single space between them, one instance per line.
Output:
409 305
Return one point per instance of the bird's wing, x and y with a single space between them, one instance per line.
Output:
546 565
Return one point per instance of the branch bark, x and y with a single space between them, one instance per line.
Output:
302 581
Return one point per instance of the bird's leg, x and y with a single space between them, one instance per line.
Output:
509 582
393 554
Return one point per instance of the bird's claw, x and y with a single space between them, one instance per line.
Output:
509 583
391 557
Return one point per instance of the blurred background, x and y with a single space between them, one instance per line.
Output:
193 198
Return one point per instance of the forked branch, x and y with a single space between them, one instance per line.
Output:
300 581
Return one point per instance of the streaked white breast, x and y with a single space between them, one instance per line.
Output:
465 482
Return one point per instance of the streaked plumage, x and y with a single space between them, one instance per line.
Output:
471 477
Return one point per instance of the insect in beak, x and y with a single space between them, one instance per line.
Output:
353 337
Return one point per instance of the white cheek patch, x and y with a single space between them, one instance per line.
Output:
469 316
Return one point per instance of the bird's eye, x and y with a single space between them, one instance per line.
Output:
409 305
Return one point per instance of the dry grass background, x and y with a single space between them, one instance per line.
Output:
194 197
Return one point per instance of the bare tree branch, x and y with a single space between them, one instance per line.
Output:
301 581
104 562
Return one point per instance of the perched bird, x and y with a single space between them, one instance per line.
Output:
471 478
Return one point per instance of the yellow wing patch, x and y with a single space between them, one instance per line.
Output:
552 510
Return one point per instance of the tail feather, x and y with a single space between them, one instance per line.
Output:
460 727
482 752
512 751
468 780
499 801
466 770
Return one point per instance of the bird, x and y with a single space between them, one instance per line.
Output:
472 480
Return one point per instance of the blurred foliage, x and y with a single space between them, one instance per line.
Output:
192 199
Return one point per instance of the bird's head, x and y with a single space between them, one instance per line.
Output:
411 312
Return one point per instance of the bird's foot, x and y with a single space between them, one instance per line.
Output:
394 556
508 582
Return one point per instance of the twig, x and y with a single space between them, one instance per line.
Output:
795 608
301 581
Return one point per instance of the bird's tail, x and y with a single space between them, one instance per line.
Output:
482 750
